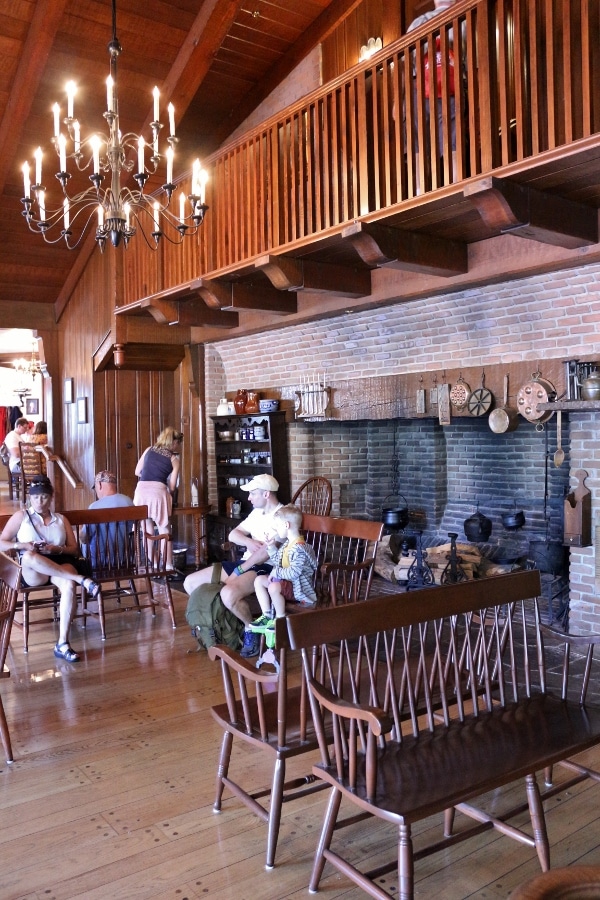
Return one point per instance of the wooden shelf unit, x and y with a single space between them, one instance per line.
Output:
269 456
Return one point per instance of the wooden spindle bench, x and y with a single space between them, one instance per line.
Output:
433 699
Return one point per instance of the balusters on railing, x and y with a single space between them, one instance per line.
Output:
522 79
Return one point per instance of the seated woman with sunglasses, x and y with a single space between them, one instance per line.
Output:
48 551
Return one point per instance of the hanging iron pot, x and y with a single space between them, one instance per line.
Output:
394 516
478 527
513 520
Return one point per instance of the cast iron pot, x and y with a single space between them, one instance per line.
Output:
395 516
513 520
478 527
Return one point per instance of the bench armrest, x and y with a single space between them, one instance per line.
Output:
581 640
377 720
236 662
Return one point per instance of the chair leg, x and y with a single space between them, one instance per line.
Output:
170 606
223 768
449 815
4 734
101 616
538 822
275 811
25 611
150 592
405 863
333 808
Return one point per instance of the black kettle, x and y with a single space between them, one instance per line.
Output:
478 527
395 516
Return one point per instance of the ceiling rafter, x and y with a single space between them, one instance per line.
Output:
321 28
30 70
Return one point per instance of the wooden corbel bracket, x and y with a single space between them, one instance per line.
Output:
287 273
237 296
506 207
379 246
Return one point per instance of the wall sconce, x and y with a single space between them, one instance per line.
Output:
368 49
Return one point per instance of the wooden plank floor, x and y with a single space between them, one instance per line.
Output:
110 794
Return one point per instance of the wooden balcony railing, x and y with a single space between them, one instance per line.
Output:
516 78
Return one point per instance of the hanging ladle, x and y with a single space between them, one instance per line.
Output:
559 453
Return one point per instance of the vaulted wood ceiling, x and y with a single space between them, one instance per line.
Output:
214 59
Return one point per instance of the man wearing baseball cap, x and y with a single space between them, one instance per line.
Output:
252 533
107 497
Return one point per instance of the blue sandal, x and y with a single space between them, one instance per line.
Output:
64 651
91 586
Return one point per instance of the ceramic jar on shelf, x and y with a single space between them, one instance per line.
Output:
252 403
240 401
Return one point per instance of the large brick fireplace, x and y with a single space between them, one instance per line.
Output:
443 471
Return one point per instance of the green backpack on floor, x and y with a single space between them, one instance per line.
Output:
210 620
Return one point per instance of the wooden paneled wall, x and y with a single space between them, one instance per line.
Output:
126 409
373 18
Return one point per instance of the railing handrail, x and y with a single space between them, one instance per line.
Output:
62 464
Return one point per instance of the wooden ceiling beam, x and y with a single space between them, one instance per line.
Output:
536 215
292 274
380 245
199 48
30 71
321 28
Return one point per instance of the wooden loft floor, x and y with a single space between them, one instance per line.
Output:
111 791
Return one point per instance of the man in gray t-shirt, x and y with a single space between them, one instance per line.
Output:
105 486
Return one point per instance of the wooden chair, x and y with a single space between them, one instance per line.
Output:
33 464
260 707
314 496
10 576
345 551
121 555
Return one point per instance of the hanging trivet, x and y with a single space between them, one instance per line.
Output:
481 399
460 393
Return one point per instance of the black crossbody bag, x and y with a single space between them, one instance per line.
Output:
79 562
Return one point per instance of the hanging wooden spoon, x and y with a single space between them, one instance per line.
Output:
559 453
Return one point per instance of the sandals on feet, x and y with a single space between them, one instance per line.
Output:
91 586
64 651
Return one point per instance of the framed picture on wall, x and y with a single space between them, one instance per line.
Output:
82 411
69 388
32 407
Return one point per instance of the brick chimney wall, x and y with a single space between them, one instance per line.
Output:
442 471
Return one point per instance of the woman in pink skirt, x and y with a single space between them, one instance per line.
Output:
158 473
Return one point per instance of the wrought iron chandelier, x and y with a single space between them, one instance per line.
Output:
117 209
29 367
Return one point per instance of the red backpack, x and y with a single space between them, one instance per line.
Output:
438 70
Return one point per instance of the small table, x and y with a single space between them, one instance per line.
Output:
198 514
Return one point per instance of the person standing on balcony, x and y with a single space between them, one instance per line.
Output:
434 71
